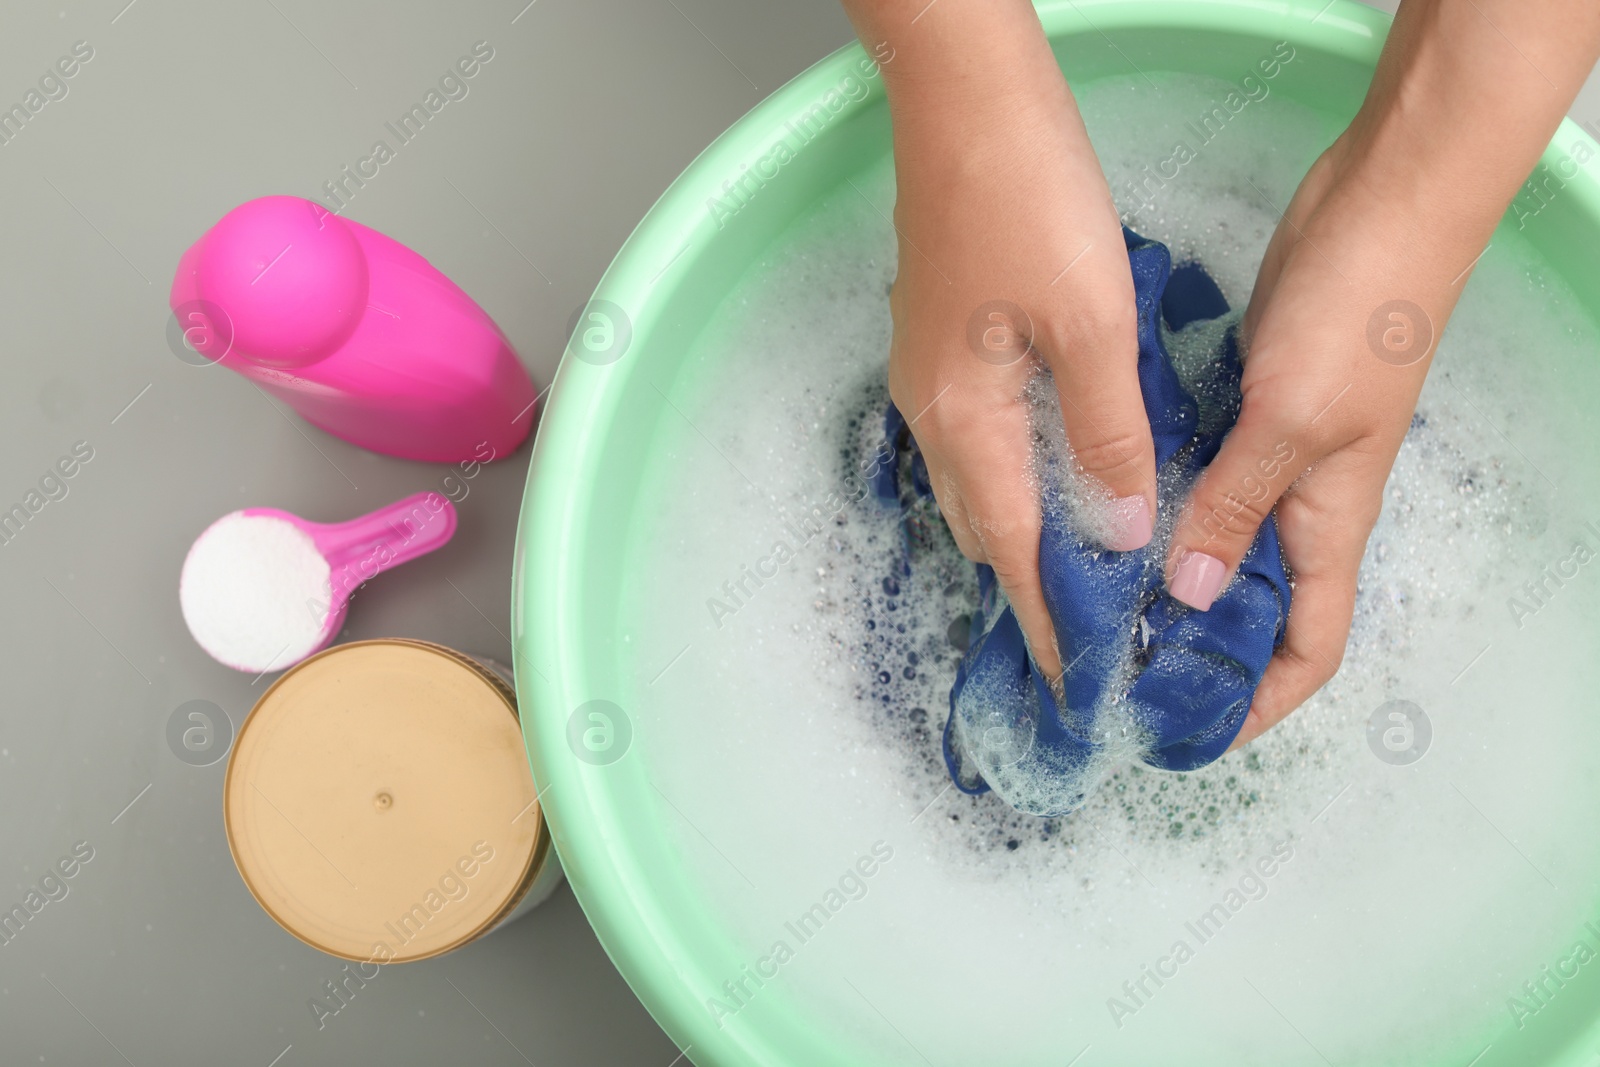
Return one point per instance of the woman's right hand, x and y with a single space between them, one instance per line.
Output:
1008 236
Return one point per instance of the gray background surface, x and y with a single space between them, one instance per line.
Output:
521 192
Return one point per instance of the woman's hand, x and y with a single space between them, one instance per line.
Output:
1355 288
1011 252
1338 335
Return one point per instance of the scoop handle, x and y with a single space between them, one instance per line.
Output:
394 534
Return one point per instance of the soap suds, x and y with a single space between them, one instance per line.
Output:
806 721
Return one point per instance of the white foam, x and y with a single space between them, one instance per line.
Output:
1085 502
1039 781
805 725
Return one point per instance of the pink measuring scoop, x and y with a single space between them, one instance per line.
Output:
355 551
363 547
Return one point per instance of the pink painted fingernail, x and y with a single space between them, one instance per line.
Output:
1197 580
1131 524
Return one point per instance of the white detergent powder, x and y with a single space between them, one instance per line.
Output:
790 703
250 588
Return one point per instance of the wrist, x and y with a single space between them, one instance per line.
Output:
960 74
1458 115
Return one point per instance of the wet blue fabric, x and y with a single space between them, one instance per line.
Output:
1186 678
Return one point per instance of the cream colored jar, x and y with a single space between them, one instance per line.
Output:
379 806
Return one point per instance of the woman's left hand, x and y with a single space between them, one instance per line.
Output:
1358 281
1338 337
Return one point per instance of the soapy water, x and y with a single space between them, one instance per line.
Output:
1456 876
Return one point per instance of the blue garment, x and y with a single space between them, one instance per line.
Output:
1178 681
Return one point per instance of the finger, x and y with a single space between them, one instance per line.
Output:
1261 457
1102 411
951 507
1003 514
1319 623
1323 544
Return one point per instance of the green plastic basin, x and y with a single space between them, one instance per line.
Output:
594 741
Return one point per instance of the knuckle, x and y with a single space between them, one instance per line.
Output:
953 511
1115 457
951 506
1013 570
1233 516
940 416
1320 671
1100 320
1329 656
1013 560
1283 405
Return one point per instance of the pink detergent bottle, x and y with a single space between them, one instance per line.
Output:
361 335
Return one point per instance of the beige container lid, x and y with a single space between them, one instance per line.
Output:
378 801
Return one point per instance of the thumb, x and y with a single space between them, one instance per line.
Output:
1102 411
1258 461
